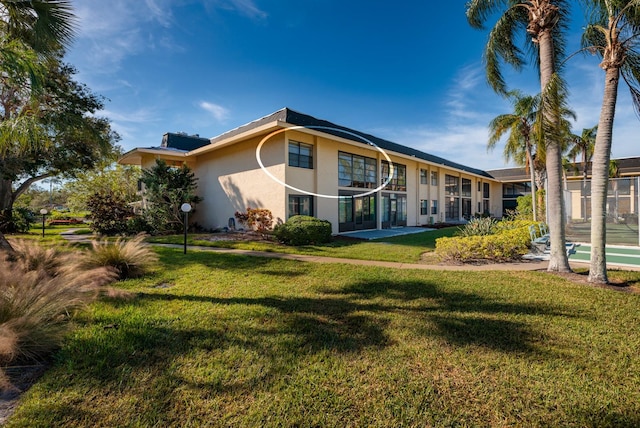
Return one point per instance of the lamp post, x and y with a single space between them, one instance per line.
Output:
44 215
185 208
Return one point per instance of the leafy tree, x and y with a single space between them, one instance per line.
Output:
166 188
106 178
28 29
544 24
74 139
612 34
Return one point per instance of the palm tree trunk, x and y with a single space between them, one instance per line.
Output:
600 178
533 184
558 261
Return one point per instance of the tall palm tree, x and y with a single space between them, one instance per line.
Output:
613 35
544 23
44 27
521 143
582 145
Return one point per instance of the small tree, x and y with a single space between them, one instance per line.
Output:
166 189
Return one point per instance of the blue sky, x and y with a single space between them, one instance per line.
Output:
409 71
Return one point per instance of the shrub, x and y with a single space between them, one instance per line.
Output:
303 230
130 258
23 218
138 224
109 213
259 218
478 226
510 241
166 189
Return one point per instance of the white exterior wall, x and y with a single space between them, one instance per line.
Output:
231 180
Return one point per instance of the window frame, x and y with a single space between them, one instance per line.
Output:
298 156
398 182
298 202
367 174
424 207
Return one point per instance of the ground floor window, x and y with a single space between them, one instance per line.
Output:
434 206
466 208
485 207
356 212
300 205
394 210
452 209
424 207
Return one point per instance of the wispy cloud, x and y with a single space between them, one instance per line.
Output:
217 111
247 8
113 30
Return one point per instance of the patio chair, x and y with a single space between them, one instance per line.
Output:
539 244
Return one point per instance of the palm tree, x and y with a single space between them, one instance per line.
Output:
521 144
612 34
545 22
582 145
43 27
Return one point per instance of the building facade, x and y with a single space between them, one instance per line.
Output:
292 163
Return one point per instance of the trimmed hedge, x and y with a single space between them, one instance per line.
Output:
303 230
510 242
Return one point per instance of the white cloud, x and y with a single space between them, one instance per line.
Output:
220 113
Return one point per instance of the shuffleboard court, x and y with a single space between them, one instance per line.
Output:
616 255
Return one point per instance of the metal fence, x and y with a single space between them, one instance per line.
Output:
623 201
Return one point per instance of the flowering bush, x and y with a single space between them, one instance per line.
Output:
259 218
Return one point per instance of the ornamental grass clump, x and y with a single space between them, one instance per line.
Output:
130 258
29 256
478 227
37 300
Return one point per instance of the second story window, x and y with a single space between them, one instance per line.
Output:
399 180
356 171
300 155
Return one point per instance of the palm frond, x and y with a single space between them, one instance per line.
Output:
45 25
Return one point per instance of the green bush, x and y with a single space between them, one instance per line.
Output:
138 224
303 230
23 218
510 241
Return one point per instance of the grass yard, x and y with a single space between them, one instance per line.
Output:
403 249
223 340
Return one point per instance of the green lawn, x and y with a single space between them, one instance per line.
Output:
222 340
405 248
